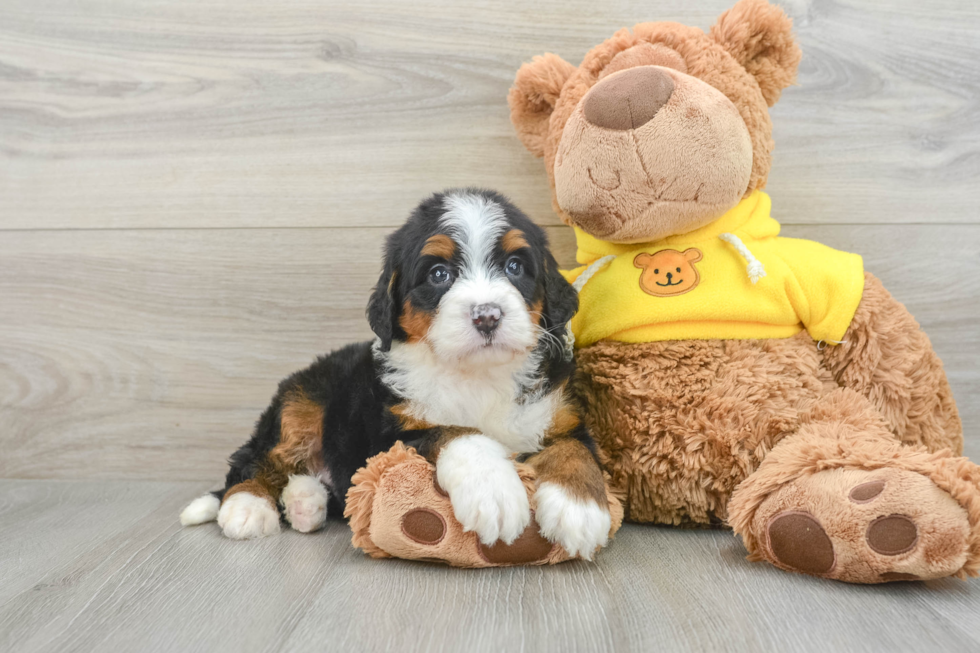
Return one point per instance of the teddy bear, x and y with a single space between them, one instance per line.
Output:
732 376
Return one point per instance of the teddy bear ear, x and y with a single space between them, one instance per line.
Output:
760 37
533 97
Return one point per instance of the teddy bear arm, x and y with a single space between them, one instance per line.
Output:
887 358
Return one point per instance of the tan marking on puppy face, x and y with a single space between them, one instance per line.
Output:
439 245
414 322
300 432
513 240
669 273
535 310
568 463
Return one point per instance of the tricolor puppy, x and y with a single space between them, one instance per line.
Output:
469 366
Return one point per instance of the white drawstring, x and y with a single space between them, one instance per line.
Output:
754 268
823 343
578 284
590 271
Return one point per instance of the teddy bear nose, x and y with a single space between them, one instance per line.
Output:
628 99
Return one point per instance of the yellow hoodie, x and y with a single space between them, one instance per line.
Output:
698 285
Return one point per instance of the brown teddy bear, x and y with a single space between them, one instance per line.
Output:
739 377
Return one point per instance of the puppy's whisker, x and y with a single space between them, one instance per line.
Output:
555 327
550 339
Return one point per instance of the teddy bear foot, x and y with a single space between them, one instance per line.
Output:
398 509
864 526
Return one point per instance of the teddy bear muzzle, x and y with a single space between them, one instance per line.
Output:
629 100
651 152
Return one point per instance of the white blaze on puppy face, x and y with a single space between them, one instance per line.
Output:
476 223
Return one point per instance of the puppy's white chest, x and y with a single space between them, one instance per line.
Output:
520 427
484 401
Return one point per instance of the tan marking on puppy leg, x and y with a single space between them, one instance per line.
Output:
439 245
254 487
300 434
446 435
513 240
298 451
414 322
565 419
569 463
407 421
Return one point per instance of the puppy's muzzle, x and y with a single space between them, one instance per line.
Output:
486 317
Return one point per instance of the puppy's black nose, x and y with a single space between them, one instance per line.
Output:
486 317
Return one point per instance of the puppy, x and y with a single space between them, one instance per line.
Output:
469 366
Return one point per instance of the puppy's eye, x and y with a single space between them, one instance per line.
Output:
514 267
439 275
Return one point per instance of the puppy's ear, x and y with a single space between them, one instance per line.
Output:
533 97
382 310
560 299
760 37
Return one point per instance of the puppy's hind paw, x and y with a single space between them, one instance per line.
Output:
244 516
305 503
579 526
201 510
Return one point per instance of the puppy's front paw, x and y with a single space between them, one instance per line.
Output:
305 503
488 496
579 526
244 516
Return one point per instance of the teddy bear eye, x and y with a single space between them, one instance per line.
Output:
656 270
678 269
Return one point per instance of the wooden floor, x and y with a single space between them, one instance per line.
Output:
104 566
193 198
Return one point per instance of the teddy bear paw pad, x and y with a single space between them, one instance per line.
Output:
799 542
892 535
529 547
424 526
865 526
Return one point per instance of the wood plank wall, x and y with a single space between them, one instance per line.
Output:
193 196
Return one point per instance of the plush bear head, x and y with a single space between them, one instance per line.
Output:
663 129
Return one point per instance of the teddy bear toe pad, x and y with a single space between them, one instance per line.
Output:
865 526
798 541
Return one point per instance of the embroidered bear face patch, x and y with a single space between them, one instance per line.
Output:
668 273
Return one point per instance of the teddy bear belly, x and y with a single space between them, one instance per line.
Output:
681 423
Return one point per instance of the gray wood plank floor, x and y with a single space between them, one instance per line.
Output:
104 566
